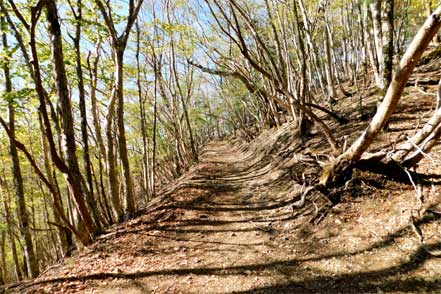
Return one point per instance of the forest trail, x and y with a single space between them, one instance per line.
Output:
325 182
214 234
228 226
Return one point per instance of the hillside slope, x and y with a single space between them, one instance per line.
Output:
234 223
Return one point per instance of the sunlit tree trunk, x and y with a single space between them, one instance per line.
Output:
74 176
119 44
183 103
129 197
375 8
90 198
328 65
143 121
387 42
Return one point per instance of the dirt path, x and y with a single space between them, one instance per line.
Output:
228 227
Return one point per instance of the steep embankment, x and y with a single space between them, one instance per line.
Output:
233 223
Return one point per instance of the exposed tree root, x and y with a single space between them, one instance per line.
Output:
320 212
336 173
420 236
300 203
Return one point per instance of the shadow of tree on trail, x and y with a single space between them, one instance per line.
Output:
387 279
364 282
215 203
298 279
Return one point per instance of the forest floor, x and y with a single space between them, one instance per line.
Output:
232 223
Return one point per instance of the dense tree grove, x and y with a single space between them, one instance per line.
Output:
104 102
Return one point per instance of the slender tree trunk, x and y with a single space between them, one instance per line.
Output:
74 177
10 226
56 251
378 38
145 143
64 235
100 186
109 155
155 125
183 103
388 42
312 48
22 213
82 99
129 199
370 49
93 72
328 65
3 268
303 69
119 43
111 163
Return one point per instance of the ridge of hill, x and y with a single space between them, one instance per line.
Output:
236 222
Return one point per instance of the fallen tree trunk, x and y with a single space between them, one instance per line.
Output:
340 168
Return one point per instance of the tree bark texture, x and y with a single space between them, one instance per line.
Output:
74 176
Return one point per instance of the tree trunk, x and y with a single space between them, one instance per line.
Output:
111 162
183 103
143 121
93 73
390 101
35 72
370 48
22 213
82 101
312 48
3 268
378 38
109 155
129 199
64 235
74 177
328 65
9 226
155 126
119 43
388 42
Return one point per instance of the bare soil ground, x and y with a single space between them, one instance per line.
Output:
232 225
